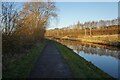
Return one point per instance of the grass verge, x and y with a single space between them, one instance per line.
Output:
80 67
22 67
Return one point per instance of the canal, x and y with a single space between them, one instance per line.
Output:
107 58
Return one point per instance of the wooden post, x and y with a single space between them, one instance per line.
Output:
85 31
90 32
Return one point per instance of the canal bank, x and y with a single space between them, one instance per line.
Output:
100 41
108 40
80 67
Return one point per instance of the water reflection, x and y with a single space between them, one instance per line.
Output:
92 48
97 50
104 57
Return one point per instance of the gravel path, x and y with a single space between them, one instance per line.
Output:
50 64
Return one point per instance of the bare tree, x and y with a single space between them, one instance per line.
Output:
9 17
35 18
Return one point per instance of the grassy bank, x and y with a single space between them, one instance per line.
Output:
80 67
22 67
110 40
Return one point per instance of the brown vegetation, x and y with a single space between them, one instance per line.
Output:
77 32
23 28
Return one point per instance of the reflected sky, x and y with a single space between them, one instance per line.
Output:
107 63
106 58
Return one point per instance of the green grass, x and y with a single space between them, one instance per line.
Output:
79 66
22 67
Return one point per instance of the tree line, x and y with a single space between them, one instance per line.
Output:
94 24
102 27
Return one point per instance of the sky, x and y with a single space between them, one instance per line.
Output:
70 13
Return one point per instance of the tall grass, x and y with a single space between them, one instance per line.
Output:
21 67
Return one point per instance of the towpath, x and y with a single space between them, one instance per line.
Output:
50 64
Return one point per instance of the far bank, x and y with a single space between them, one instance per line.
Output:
108 40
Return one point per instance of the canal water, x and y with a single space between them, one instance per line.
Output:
104 57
